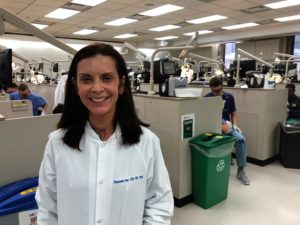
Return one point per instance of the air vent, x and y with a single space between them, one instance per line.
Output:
139 33
42 22
97 28
266 22
216 29
256 9
75 6
138 17
183 24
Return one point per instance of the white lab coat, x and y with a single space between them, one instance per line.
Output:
106 183
59 94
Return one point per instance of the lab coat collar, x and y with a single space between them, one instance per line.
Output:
90 132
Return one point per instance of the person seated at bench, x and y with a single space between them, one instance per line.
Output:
11 88
293 106
38 103
229 126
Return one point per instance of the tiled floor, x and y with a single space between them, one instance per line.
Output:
273 198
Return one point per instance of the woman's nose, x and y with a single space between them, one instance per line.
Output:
97 86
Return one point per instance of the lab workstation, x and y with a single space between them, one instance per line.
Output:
163 112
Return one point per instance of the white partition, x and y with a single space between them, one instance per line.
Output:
22 146
16 108
259 113
4 96
164 114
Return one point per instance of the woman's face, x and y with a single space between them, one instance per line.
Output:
98 85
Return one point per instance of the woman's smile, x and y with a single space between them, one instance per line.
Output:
98 99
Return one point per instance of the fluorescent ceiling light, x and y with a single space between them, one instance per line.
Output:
207 19
283 4
124 36
147 51
76 46
161 10
239 26
288 18
61 13
166 38
85 32
40 26
166 27
199 32
120 22
88 2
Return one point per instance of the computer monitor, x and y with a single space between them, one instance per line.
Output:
146 65
158 77
163 68
5 68
41 67
168 68
281 67
245 65
204 70
55 67
264 69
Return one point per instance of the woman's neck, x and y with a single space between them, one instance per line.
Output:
104 128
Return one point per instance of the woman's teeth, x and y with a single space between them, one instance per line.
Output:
98 100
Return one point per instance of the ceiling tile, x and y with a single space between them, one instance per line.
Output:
35 10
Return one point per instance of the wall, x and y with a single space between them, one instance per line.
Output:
33 48
262 48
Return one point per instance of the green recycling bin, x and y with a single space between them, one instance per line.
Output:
211 157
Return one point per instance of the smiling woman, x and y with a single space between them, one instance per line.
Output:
102 164
99 86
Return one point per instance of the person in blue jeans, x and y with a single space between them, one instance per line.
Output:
229 126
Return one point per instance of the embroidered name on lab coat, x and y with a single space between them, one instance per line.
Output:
130 179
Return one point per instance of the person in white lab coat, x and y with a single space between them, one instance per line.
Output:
102 166
59 94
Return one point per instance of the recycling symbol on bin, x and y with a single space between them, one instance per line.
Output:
220 166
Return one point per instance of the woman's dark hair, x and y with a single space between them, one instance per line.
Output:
75 114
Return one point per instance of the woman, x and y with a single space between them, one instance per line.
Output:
102 166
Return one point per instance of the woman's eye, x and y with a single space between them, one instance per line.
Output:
85 78
107 78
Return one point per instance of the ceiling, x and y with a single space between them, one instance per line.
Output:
237 11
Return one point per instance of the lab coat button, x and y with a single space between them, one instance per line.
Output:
99 221
101 182
103 145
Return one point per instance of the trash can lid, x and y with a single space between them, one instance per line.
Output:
210 140
290 127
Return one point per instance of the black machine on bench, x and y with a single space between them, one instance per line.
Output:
167 75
